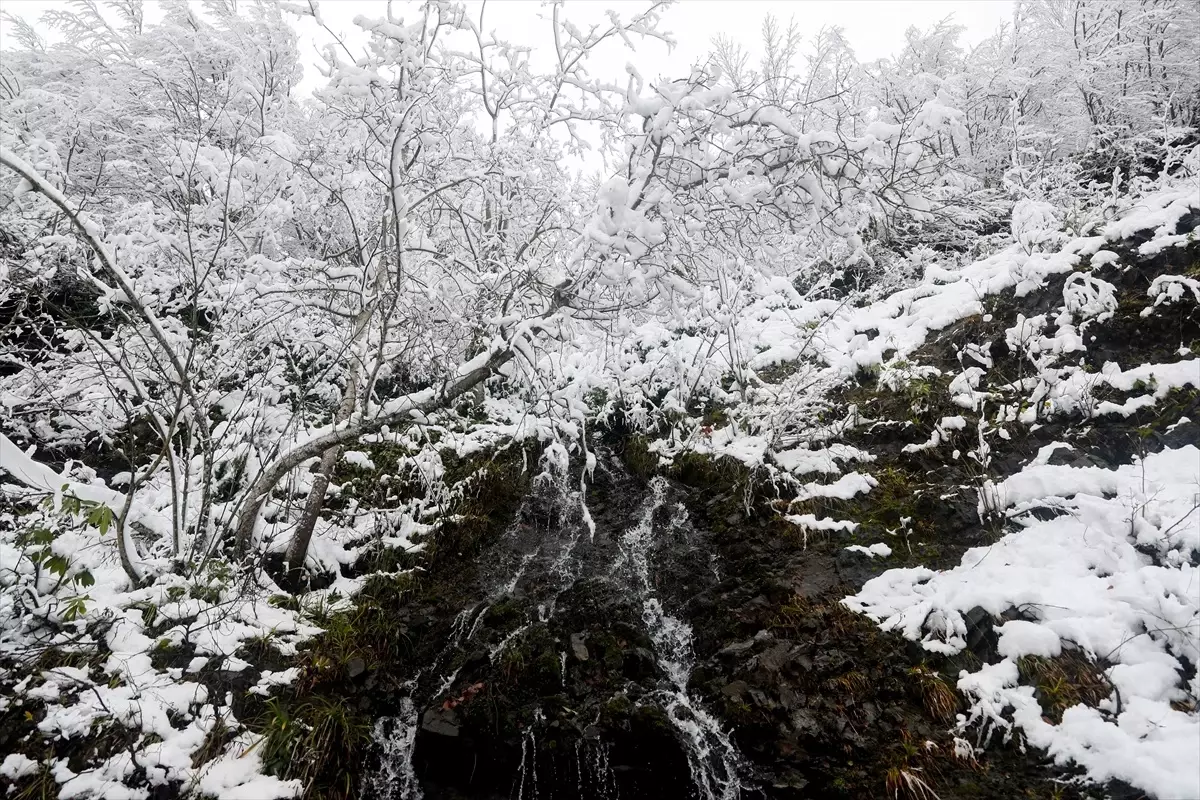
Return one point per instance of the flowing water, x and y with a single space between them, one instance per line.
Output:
397 738
540 565
711 755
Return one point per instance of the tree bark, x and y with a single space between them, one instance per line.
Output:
298 547
89 232
417 404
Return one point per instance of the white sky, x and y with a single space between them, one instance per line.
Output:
875 28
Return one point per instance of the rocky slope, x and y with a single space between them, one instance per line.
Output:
708 630
697 644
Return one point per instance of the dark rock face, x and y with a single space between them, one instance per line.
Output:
559 670
554 681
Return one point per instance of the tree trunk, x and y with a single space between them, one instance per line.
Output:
422 402
298 547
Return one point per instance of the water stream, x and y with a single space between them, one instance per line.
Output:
540 565
712 757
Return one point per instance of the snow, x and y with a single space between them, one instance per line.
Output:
16 766
357 458
237 775
269 680
1020 638
811 522
877 549
844 488
1113 578
701 297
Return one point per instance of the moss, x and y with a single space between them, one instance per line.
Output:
547 668
654 718
531 659
1177 404
638 458
714 415
368 633
777 373
492 486
504 613
900 501
616 709
735 487
793 616
377 484
1063 681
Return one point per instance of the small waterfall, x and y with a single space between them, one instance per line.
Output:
397 737
536 562
594 776
712 757
525 787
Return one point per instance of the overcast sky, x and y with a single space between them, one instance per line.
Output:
875 28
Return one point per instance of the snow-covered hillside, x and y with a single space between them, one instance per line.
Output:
838 437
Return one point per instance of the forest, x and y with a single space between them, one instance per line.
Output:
479 425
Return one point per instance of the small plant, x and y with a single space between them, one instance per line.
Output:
940 701
39 786
315 743
55 573
906 783
1064 681
851 683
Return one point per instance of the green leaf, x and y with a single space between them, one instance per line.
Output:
101 516
76 608
84 578
57 564
70 503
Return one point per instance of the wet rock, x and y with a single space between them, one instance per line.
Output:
579 647
790 699
855 568
819 576
737 648
776 658
639 663
1182 434
355 667
789 782
805 722
761 700
441 721
1064 456
735 689
982 638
